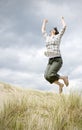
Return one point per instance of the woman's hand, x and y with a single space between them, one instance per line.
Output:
62 17
45 20
63 21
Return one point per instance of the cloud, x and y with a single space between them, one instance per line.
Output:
22 60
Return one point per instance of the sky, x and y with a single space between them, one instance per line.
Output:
22 59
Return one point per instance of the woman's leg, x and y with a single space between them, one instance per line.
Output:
65 79
52 76
61 85
53 67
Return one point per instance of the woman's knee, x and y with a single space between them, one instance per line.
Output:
46 76
51 78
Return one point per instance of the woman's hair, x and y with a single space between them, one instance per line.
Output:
57 32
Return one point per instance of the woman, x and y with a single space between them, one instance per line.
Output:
53 52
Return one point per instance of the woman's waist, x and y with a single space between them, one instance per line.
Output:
52 54
57 57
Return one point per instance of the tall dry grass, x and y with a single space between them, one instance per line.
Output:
36 110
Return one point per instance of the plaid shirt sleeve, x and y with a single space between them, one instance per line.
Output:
62 32
45 34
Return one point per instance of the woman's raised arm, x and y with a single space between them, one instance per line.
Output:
63 21
44 25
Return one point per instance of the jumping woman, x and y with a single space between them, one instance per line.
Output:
53 53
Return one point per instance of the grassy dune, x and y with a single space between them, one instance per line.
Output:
23 109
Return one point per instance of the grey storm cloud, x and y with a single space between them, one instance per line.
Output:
21 20
18 23
22 14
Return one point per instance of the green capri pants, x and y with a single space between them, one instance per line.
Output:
53 66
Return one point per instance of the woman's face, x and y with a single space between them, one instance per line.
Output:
52 32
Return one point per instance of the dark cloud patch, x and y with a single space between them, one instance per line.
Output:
22 14
19 23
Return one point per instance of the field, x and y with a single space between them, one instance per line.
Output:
23 109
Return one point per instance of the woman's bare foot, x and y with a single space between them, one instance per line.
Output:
61 88
65 79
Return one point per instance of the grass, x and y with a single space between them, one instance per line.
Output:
37 110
